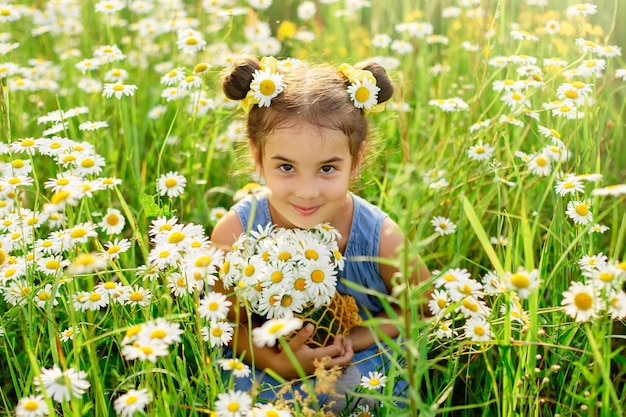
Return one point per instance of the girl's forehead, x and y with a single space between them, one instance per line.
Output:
307 139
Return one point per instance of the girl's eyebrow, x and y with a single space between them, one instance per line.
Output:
332 160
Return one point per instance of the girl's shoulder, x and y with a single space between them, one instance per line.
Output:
227 230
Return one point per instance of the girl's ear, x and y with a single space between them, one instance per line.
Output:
357 162
256 158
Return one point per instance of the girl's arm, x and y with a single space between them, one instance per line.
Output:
391 239
225 233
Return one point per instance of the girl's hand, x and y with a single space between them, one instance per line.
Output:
340 353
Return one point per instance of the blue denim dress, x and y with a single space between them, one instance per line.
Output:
363 242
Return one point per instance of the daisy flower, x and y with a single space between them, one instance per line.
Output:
91 126
171 184
613 190
582 9
374 380
62 385
579 212
598 228
217 213
477 329
69 333
32 406
451 276
268 410
364 93
190 41
126 405
569 186
113 222
271 330
214 306
236 366
145 351
581 301
265 86
219 333
86 263
616 304
591 262
522 282
444 331
138 296
321 282
481 152
539 164
443 225
109 6
159 330
45 297
233 404
112 249
179 284
252 189
118 90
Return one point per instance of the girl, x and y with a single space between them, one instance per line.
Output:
307 132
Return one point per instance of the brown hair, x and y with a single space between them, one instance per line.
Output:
316 95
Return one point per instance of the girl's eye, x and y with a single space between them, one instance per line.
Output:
286 168
328 169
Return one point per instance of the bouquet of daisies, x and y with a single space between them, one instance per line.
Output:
280 273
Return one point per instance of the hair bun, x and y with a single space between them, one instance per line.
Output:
382 79
236 82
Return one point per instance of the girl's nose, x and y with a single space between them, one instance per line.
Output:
307 189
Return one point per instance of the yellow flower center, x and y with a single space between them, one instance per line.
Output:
300 284
112 219
203 261
78 233
449 277
136 296
565 109
516 96
311 254
118 87
87 163
233 407
571 94
479 150
317 276
479 330
94 296
606 276
582 209
578 84
191 41
276 277
18 163
569 185
267 87
176 237
170 182
147 350
470 305
583 301
284 256
362 94
217 331
113 249
109 285
542 162
441 303
158 334
520 281
248 270
29 405
275 328
132 399
44 296
52 264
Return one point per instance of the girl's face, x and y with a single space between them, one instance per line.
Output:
308 169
